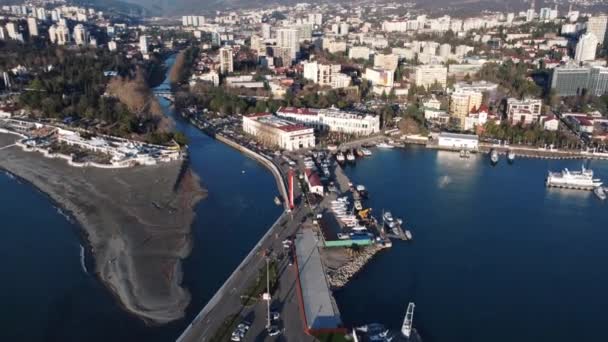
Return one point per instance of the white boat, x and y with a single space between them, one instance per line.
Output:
510 156
384 145
342 236
494 156
388 219
406 328
359 229
340 157
366 152
408 235
582 180
600 193
350 156
464 154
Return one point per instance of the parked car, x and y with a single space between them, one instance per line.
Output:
239 333
273 331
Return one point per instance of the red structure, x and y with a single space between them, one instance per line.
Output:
291 205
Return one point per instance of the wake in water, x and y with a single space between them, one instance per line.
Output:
444 181
82 260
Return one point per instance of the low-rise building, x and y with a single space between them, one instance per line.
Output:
333 120
274 131
526 111
550 122
458 141
314 182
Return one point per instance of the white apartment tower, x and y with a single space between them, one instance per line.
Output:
143 44
81 35
597 26
586 47
288 39
32 26
226 61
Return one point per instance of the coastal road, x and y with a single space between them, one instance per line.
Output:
204 327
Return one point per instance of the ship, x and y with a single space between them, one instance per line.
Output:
406 328
600 193
580 180
494 156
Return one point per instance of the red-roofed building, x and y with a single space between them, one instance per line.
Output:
550 122
273 131
314 182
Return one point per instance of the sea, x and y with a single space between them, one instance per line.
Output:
496 256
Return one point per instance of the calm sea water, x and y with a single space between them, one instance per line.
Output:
45 292
496 255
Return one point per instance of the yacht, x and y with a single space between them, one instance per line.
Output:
340 157
384 145
406 328
494 156
600 193
388 219
350 156
573 179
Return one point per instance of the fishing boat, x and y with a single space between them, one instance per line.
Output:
406 328
494 156
600 193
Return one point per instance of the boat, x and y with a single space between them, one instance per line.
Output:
388 219
362 190
600 193
510 157
494 156
358 205
464 154
277 201
408 235
384 145
359 152
350 156
340 157
342 236
366 152
406 328
581 180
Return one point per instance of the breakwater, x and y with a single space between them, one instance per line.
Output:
339 278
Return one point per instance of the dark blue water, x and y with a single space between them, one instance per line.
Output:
47 296
496 256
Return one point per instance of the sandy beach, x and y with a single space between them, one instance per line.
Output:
137 222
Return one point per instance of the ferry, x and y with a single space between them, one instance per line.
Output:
581 180
406 328
600 193
494 156
366 152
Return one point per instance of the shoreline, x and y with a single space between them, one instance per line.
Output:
152 293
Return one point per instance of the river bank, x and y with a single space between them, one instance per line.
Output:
136 225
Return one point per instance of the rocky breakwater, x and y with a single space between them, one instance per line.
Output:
358 258
136 221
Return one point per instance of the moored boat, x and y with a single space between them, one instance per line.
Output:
600 193
384 145
510 156
340 157
366 151
350 156
494 156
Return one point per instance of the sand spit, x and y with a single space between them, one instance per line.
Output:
137 223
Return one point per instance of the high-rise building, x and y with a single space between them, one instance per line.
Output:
266 31
62 35
41 13
597 26
315 19
324 74
462 102
288 39
445 50
3 33
226 61
12 30
143 44
81 35
32 26
586 47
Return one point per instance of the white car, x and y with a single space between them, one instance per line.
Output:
274 331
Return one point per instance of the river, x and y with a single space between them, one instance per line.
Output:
48 296
496 255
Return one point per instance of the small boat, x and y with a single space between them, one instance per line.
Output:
384 145
510 157
406 328
494 156
362 190
388 219
366 152
340 157
342 236
408 235
350 156
358 205
600 193
277 201
464 154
